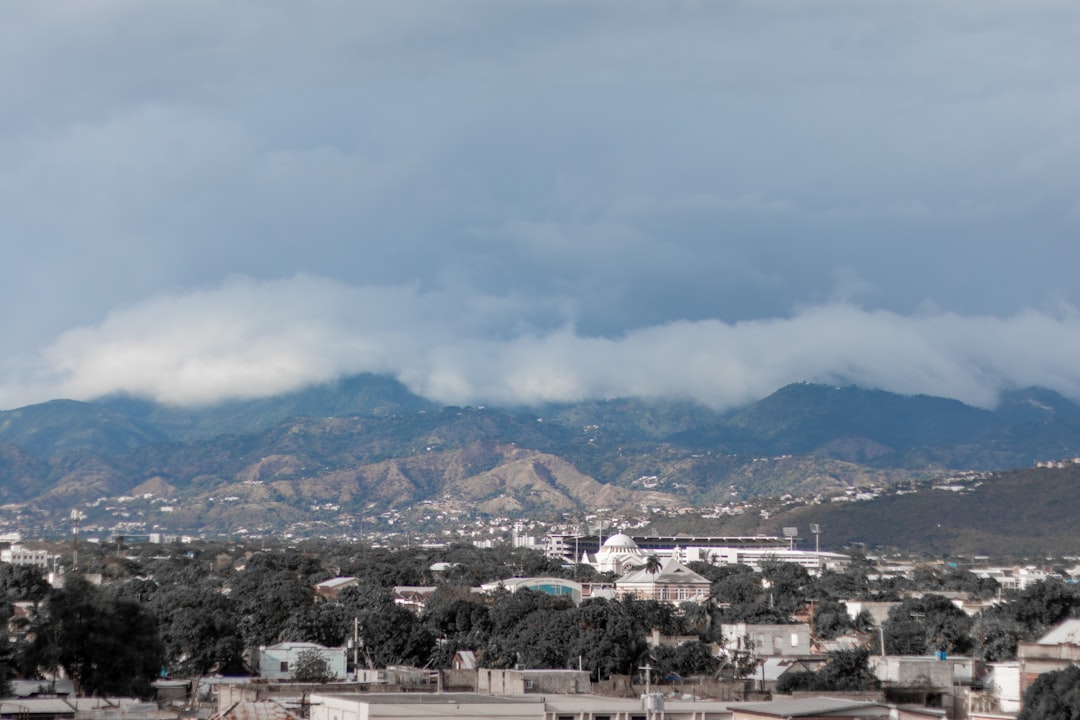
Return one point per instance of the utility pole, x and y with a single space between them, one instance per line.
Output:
648 691
356 647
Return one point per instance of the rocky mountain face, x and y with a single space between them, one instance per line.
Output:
366 451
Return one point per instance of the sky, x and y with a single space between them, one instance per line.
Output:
518 202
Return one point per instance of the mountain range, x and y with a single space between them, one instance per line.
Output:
364 452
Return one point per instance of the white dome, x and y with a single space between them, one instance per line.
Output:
619 540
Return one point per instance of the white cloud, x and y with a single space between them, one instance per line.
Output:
248 338
543 198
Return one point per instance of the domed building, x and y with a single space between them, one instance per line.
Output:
617 555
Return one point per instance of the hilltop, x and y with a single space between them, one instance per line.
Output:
367 452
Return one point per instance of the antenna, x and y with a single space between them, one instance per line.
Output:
76 516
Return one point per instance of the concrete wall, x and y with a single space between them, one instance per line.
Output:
768 640
521 682
912 672
1036 659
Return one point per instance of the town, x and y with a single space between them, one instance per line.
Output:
585 625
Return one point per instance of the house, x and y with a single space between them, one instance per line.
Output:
331 588
490 681
878 611
673 582
1055 650
413 597
1001 688
767 640
463 660
768 673
277 662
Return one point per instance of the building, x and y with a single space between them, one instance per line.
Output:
829 707
1055 650
673 582
557 587
278 662
767 640
929 680
620 552
1002 686
522 682
474 706
617 555
331 588
19 555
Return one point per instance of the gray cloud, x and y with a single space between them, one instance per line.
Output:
555 182
250 339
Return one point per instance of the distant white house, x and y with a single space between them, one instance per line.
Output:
673 582
277 662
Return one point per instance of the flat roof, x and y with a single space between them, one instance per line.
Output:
433 698
809 707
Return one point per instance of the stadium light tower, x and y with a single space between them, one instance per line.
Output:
816 529
791 533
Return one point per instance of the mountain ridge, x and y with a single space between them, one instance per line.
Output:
368 451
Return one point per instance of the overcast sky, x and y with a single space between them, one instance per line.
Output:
539 200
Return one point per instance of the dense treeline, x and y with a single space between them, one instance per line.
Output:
191 611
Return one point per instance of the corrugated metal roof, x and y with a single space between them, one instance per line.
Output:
37 706
1067 633
264 710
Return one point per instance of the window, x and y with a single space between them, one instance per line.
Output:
284 666
794 640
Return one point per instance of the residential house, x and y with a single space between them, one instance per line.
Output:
1055 650
330 589
767 640
673 582
277 662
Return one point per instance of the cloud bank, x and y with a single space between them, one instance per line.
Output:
249 338
503 202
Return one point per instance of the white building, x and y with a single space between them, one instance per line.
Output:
618 555
277 662
814 561
18 555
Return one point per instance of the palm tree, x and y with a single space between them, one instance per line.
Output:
653 564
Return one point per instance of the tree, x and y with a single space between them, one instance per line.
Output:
106 646
1053 696
846 671
923 625
310 666
199 630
